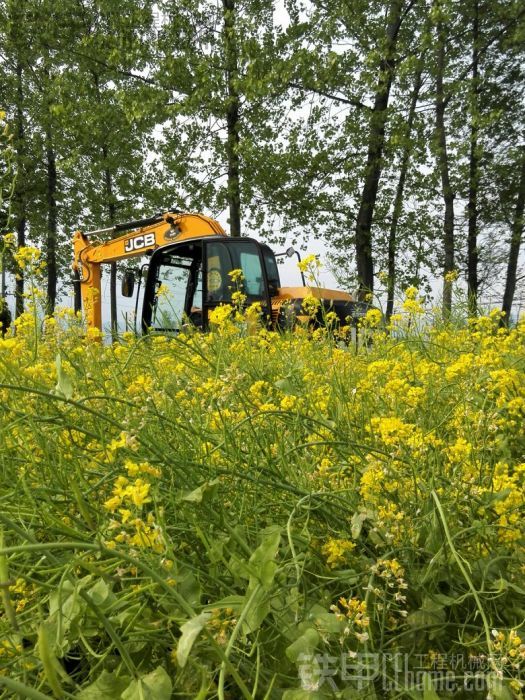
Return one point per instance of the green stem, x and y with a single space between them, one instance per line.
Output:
4 586
467 578
232 639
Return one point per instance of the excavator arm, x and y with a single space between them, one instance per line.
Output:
141 237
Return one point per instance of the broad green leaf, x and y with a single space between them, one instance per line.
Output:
357 523
264 555
202 494
263 568
64 386
287 386
108 686
100 592
259 609
155 686
327 623
430 613
188 586
190 631
66 611
304 645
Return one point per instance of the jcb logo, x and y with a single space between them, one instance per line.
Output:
139 242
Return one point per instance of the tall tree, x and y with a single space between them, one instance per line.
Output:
399 195
515 242
474 157
231 66
444 168
376 140
215 64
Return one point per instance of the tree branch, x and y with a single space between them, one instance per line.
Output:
337 98
483 50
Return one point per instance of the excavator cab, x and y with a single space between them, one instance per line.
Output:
189 274
187 280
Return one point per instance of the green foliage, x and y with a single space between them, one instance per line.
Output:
217 515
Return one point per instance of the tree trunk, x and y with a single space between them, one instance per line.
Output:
376 141
3 293
19 284
232 117
19 194
51 256
472 206
442 157
110 203
515 243
398 200
108 184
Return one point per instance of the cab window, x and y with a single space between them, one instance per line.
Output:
178 294
272 271
222 258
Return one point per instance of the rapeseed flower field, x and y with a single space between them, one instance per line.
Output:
248 514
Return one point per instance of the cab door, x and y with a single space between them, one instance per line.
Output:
173 294
221 257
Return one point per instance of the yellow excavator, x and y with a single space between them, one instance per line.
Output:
188 274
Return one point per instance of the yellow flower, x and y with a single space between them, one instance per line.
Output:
9 240
28 257
220 314
311 305
451 276
139 492
238 298
236 275
372 318
336 551
309 261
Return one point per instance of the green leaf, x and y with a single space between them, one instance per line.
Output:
64 386
498 688
357 523
428 688
430 613
287 386
155 686
203 494
188 586
235 602
107 686
305 645
190 631
262 559
100 592
263 569
66 612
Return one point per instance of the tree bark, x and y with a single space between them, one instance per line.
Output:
515 243
232 117
108 185
398 200
472 205
376 141
52 220
19 195
442 157
110 203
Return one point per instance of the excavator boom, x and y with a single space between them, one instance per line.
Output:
145 235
